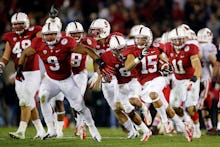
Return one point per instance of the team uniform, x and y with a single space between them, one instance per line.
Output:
184 93
110 88
206 49
79 62
27 89
59 78
149 77
205 101
31 68
125 88
183 72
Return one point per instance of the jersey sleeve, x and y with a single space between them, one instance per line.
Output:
71 42
193 50
35 43
37 28
6 37
89 41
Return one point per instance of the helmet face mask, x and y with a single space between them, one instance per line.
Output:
143 37
141 42
78 36
178 38
51 34
20 23
75 29
117 45
99 29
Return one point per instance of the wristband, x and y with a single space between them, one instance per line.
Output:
193 79
140 57
100 62
137 60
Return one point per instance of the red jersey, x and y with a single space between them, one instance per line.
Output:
19 43
121 74
56 59
148 67
181 61
79 60
103 47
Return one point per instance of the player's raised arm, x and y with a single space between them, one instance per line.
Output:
142 37
86 50
26 53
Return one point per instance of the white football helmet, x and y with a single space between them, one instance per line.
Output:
20 22
117 45
205 35
55 20
99 29
75 29
48 29
143 37
178 37
187 30
192 35
165 37
134 30
184 26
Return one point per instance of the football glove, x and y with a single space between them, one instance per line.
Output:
19 75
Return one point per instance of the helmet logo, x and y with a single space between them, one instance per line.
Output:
186 49
156 44
106 24
44 51
64 41
89 41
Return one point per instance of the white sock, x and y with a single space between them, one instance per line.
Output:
38 126
218 126
156 121
186 117
162 113
50 127
22 127
87 116
128 125
197 127
179 123
144 128
208 124
59 126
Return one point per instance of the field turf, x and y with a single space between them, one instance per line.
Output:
111 138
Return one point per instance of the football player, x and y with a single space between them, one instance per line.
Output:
16 41
145 58
55 51
100 31
184 58
128 87
209 51
79 61
56 126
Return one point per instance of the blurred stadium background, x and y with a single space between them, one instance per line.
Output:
159 15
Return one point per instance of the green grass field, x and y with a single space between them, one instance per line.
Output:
111 138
